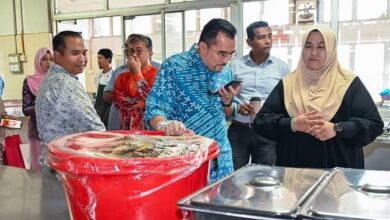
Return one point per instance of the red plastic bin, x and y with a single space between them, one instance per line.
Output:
131 188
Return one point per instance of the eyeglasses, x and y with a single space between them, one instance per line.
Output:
223 54
130 51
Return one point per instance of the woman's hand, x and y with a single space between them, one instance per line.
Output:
305 122
323 132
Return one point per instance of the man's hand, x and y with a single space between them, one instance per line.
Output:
227 95
134 64
246 109
173 128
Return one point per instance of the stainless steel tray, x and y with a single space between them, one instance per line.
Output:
351 194
255 192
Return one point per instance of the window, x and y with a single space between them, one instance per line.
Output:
116 26
287 31
149 25
370 68
344 55
101 27
133 3
370 10
174 32
197 19
81 25
70 6
364 40
174 1
363 26
275 12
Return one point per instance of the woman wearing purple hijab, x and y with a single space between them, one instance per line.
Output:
31 85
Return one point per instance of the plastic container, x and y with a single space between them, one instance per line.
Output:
130 188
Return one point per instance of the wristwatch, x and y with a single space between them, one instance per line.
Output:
338 128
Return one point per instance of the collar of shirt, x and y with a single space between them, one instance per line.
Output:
248 60
59 69
194 55
215 80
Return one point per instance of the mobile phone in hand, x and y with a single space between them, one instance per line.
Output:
11 123
233 83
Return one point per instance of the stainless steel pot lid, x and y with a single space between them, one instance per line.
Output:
256 190
353 194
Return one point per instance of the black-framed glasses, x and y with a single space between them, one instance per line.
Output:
223 54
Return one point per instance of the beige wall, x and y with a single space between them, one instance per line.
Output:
34 16
14 81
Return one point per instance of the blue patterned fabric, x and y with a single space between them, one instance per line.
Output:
1 85
180 92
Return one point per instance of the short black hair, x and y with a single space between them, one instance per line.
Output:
133 38
149 44
59 40
213 27
106 53
250 30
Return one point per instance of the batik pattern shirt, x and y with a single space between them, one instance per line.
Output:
181 92
130 93
63 107
114 117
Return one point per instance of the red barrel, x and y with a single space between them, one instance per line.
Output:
125 188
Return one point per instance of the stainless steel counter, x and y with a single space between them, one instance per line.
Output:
377 154
31 195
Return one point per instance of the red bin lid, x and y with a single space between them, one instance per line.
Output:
83 153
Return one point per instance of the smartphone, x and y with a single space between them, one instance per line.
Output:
11 123
233 83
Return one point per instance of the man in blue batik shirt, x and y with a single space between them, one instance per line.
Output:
260 72
181 100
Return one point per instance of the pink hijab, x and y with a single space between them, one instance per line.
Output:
34 81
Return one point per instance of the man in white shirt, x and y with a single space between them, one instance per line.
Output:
260 72
101 80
